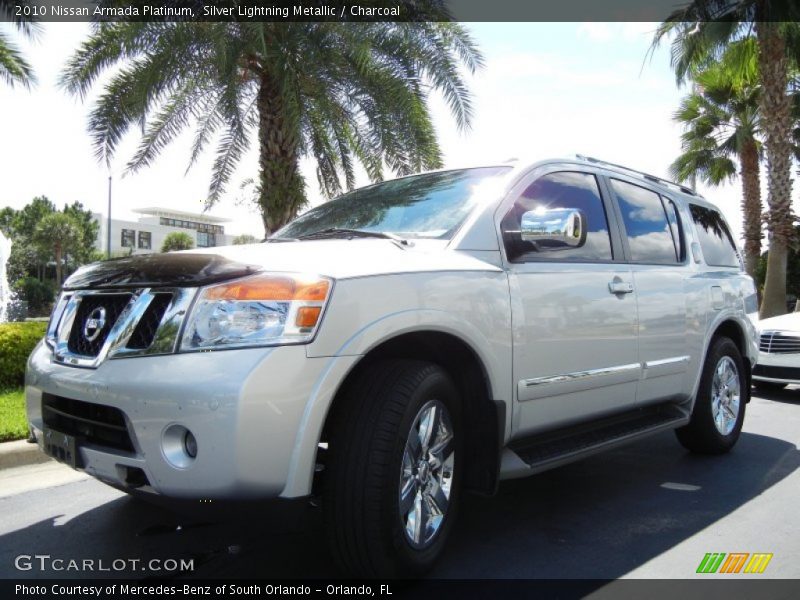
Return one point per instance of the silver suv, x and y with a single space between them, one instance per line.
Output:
403 344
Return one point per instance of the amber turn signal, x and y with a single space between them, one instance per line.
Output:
271 287
307 316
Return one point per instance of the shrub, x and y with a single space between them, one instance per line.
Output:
177 240
16 343
38 294
245 238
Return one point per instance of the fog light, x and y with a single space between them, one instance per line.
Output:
190 444
179 446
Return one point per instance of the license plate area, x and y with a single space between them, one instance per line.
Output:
62 447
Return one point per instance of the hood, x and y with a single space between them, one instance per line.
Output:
158 270
359 257
787 322
339 259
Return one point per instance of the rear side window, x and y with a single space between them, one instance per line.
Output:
715 239
565 189
651 234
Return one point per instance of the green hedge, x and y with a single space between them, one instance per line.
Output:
16 343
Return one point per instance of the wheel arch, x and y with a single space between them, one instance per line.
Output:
484 419
732 329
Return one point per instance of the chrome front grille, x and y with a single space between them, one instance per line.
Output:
88 342
89 326
145 331
775 342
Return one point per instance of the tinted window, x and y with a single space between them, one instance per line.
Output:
206 240
145 240
650 236
433 205
567 189
719 250
128 238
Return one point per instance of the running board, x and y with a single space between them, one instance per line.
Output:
555 448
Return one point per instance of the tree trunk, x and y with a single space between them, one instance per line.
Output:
751 206
58 265
777 125
281 190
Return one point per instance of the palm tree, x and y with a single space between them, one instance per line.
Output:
342 93
58 233
14 69
721 128
701 32
177 240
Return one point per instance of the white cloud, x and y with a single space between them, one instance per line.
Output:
597 32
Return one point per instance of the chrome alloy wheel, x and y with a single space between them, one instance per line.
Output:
725 395
426 474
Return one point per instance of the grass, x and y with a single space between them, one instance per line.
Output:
13 423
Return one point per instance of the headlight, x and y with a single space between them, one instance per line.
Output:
261 310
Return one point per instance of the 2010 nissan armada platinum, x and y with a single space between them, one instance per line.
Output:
403 344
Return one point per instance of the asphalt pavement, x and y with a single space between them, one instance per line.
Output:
648 510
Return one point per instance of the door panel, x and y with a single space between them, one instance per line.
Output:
663 340
575 347
656 247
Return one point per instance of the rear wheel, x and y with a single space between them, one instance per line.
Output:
393 476
719 408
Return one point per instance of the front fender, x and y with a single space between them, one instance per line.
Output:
354 325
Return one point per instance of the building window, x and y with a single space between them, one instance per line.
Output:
205 227
206 240
145 240
128 238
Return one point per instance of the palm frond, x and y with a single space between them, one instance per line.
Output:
14 69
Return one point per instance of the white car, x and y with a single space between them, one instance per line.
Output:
779 352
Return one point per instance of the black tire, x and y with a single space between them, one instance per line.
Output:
362 479
768 386
702 435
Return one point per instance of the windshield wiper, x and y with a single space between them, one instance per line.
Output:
334 232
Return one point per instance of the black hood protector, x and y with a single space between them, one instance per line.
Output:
158 270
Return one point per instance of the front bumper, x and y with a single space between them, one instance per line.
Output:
248 410
777 367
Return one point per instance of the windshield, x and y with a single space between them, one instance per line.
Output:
433 205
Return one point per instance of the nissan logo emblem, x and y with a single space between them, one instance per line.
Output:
94 324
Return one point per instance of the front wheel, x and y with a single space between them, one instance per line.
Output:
719 408
393 476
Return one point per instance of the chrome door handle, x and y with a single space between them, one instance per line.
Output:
620 287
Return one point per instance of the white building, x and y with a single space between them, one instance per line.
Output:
146 235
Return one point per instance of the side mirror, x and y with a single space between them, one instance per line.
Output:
554 228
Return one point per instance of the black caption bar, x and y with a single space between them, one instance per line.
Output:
597 589
339 10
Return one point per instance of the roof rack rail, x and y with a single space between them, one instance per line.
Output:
653 178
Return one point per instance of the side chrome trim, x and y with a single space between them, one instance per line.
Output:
581 375
666 361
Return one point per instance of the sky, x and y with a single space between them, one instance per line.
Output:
547 90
